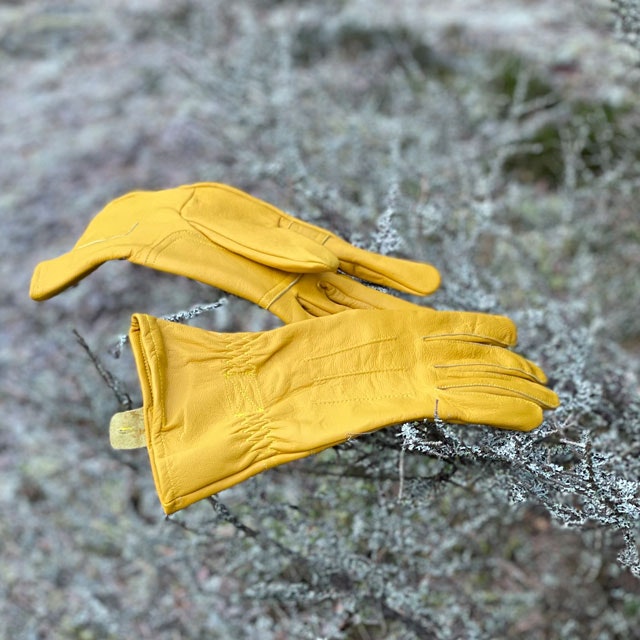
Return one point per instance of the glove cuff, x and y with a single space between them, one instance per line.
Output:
202 435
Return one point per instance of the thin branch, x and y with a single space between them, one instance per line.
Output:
124 400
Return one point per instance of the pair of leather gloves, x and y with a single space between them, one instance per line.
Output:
219 408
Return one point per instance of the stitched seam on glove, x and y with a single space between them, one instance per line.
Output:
510 392
478 338
304 228
116 237
155 251
279 292
352 348
495 368
192 195
243 393
349 374
364 398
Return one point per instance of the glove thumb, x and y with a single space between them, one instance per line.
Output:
417 278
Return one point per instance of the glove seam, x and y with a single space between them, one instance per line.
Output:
100 240
514 393
154 252
477 338
277 296
364 398
292 222
357 373
390 338
485 367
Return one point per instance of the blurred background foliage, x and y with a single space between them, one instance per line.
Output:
497 140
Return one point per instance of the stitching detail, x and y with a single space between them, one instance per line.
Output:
188 200
304 228
368 398
352 348
514 393
491 341
279 295
357 373
122 235
156 250
498 368
243 385
264 300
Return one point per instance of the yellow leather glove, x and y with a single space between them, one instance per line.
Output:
226 238
219 408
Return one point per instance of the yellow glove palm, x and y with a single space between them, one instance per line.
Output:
219 408
226 238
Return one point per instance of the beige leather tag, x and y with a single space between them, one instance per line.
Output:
126 430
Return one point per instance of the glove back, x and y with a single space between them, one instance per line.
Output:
219 408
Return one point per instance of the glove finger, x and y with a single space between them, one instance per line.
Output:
484 408
351 294
504 386
303 299
403 275
122 226
466 326
51 277
318 295
273 247
253 228
487 359
313 295
329 301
